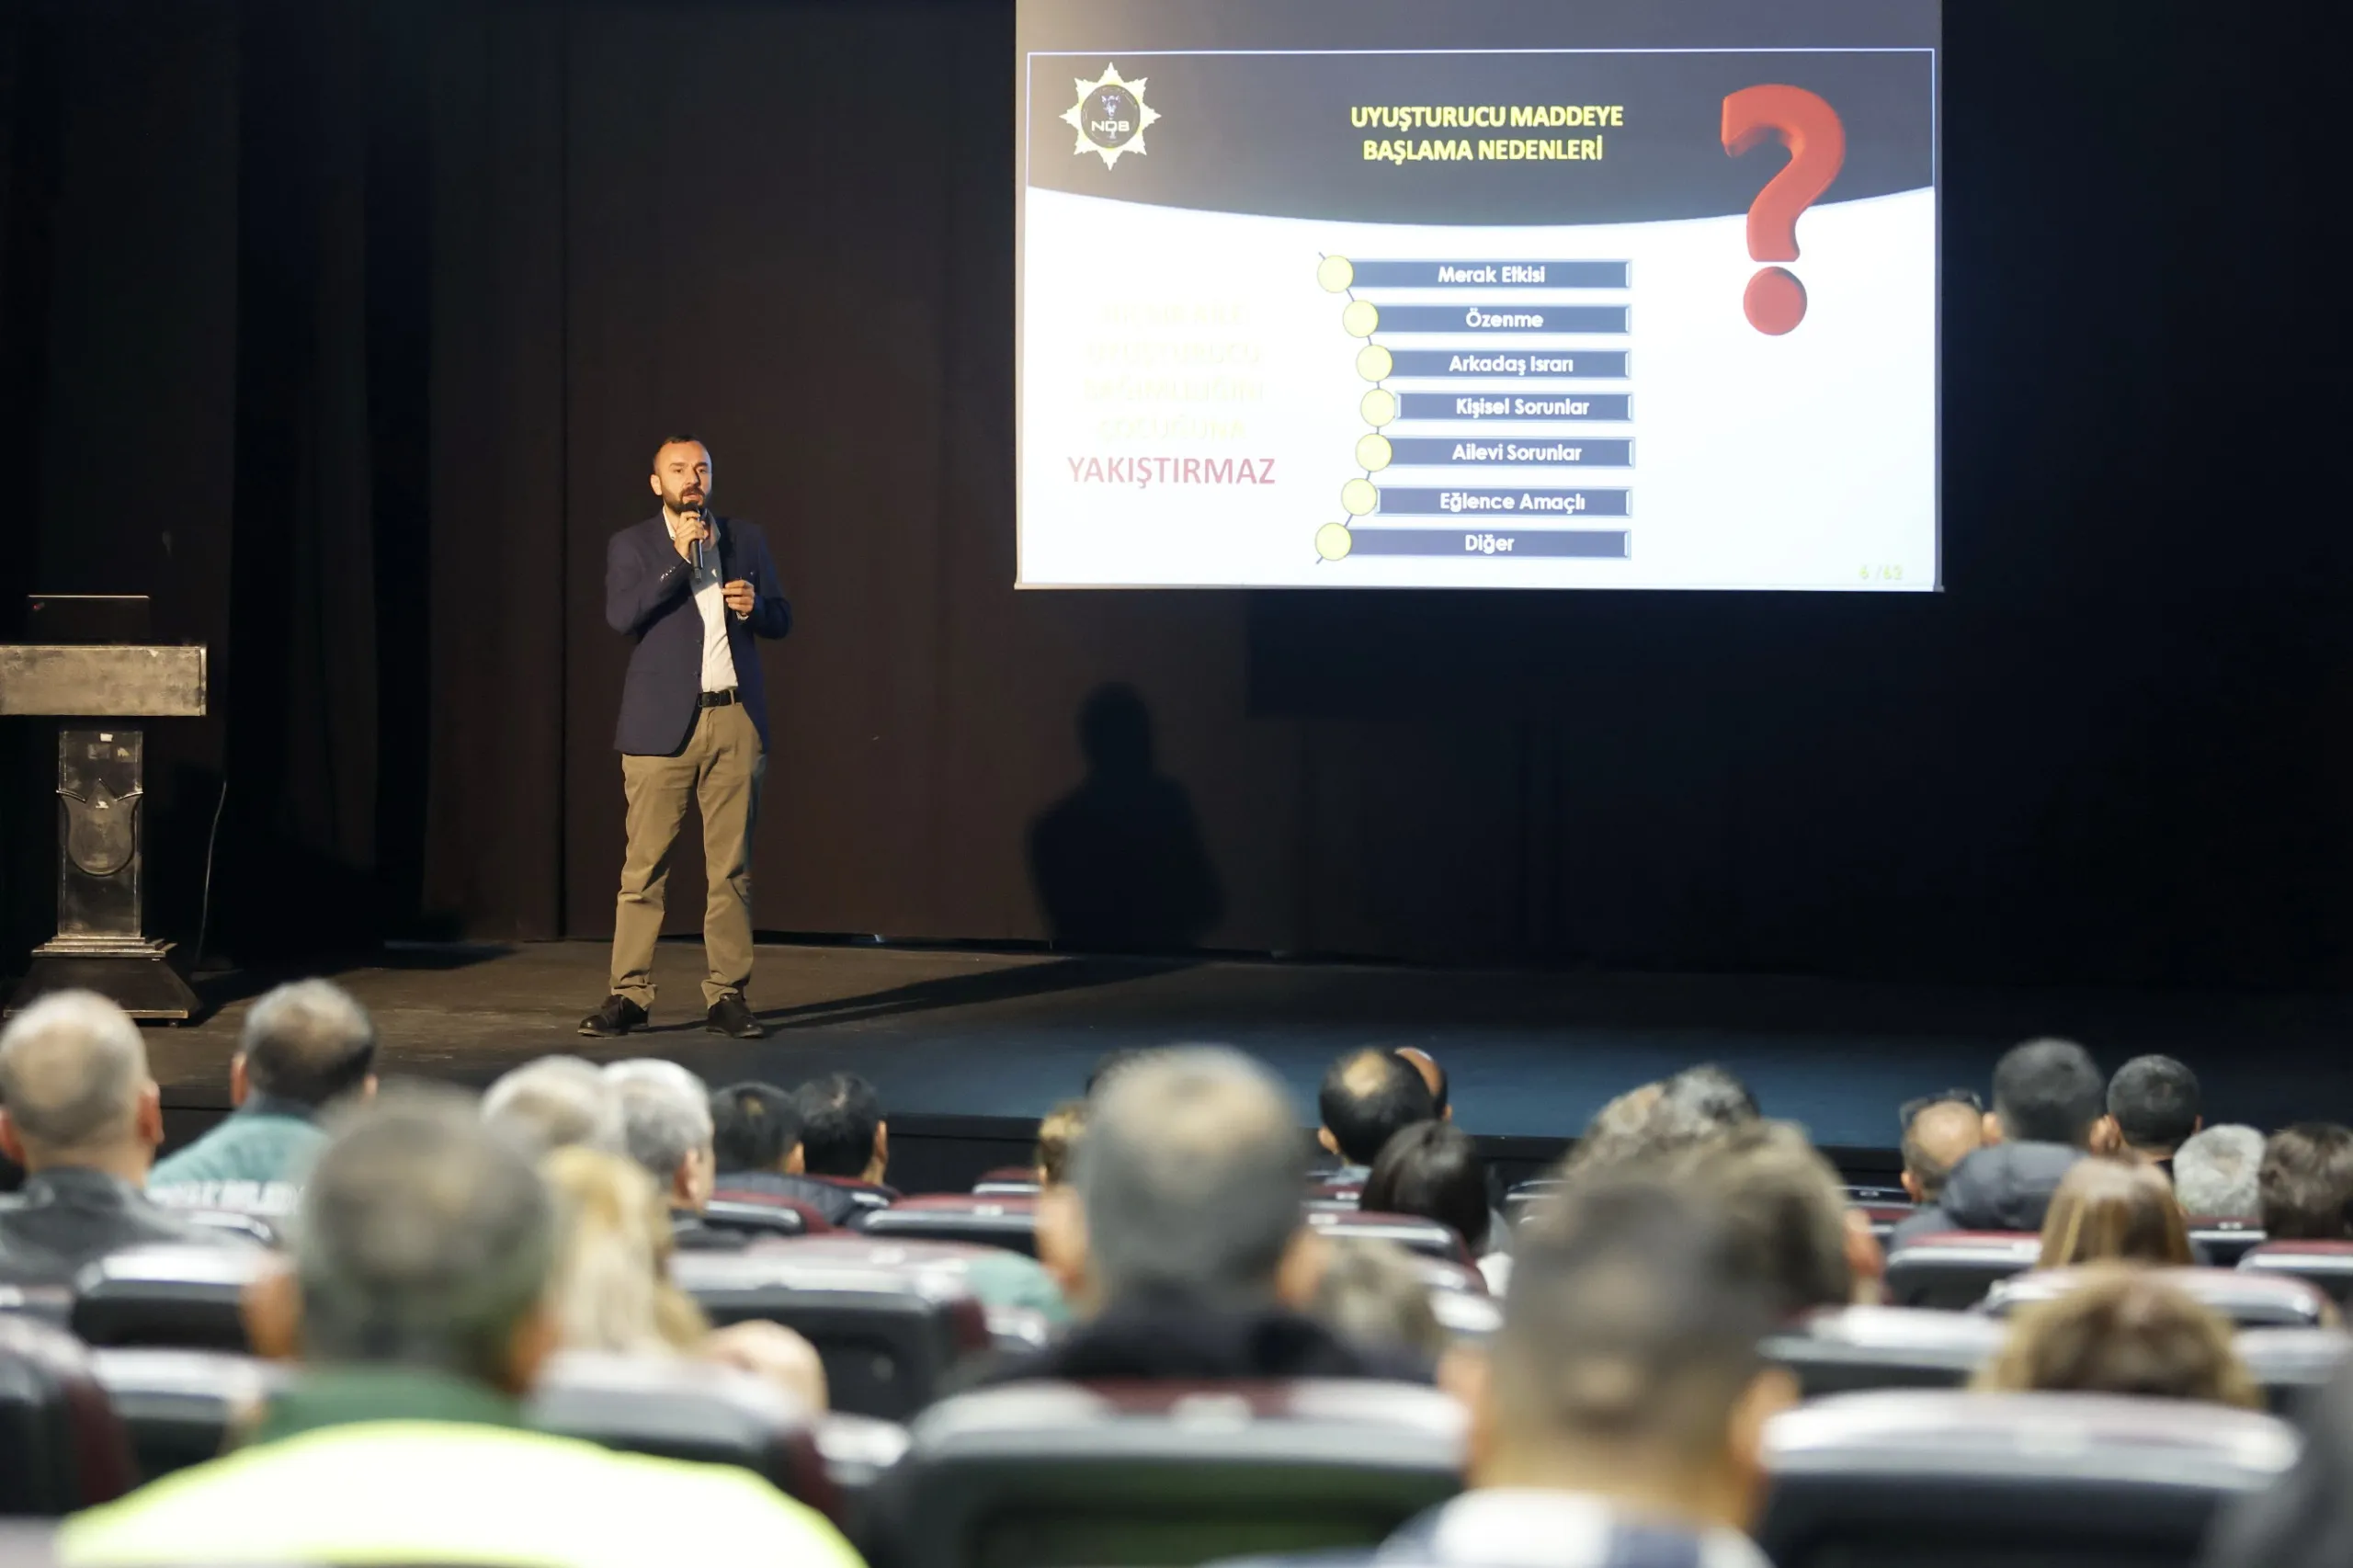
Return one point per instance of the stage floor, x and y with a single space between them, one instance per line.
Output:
965 1034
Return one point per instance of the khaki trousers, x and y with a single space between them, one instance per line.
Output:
721 770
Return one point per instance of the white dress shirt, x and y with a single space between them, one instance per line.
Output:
718 661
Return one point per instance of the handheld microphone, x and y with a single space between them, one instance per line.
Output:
700 512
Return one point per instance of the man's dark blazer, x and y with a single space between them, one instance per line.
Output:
646 597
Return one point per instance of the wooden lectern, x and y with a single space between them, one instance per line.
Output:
101 690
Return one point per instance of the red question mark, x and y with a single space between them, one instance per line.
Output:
1809 128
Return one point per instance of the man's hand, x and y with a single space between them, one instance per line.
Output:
739 596
692 530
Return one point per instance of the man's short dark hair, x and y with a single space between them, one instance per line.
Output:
678 441
1634 1317
308 1041
2156 1102
2049 1091
1712 1095
1785 1208
1432 1169
839 1116
755 1126
1369 1098
2306 1183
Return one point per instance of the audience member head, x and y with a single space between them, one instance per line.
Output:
1111 1063
2306 1181
2114 1210
1372 1293
1627 1366
2046 1091
1187 1183
1619 1134
1939 1136
426 1242
1785 1209
2214 1173
2153 1107
555 1103
842 1131
2123 1331
666 1128
1710 1096
1058 1135
612 1290
1369 1097
1433 1078
306 1041
74 1089
1431 1169
755 1126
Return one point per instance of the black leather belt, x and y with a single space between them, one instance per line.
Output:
719 699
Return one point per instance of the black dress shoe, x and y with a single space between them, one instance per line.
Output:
617 1016
730 1018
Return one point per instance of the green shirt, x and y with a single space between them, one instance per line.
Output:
255 1159
382 1465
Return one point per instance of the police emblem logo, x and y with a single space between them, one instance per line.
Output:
1110 116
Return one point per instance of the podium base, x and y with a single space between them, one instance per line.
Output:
136 976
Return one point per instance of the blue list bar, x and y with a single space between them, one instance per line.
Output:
1603 364
1490 273
1509 452
1515 406
1556 542
1516 505
1531 316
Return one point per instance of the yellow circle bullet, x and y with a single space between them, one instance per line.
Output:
1374 362
1336 273
1332 540
1359 318
1380 406
1359 497
1373 453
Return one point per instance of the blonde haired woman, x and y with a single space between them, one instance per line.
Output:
612 1290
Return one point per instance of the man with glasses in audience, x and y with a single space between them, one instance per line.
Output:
2049 1097
1939 1131
419 1302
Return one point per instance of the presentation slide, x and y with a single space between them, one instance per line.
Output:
1490 293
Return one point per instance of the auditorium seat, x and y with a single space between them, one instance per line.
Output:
2291 1363
259 1228
1009 1221
2224 1241
1427 1237
1015 1181
1878 1195
1523 1196
1958 1478
2327 1265
51 1304
758 1214
1843 1349
1112 1475
857 1451
1884 1217
1953 1270
186 1298
181 1405
888 1318
61 1446
2246 1300
687 1410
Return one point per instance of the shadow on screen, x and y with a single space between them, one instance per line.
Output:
1119 862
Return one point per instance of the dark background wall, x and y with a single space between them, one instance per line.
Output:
345 331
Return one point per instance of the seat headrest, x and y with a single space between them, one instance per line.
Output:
61 1446
686 1410
1000 1219
2249 1299
1952 1269
769 1218
183 1297
1400 1424
2028 1441
1427 1237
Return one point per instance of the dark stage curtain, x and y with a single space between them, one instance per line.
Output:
345 330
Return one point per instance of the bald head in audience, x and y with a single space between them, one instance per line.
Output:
556 1102
75 1090
1368 1098
1941 1135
